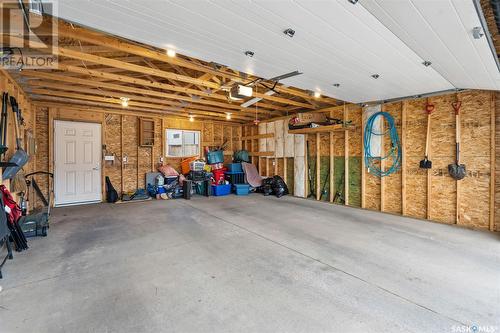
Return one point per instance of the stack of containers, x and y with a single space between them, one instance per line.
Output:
215 159
236 178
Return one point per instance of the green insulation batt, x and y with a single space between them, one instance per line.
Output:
354 177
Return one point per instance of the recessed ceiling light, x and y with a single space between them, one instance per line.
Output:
171 53
375 76
427 63
124 101
353 1
336 85
477 32
289 32
249 54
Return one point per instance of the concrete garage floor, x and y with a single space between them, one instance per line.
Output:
250 264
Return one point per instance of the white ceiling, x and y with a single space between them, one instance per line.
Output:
335 41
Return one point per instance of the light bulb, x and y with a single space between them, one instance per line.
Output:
191 118
228 116
171 53
317 94
124 101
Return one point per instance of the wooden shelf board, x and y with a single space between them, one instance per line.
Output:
321 129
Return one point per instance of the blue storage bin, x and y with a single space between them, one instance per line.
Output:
216 156
241 189
235 177
234 167
220 190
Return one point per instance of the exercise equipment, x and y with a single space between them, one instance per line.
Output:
394 153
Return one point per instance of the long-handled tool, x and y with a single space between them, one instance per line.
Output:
3 124
339 193
20 157
456 170
426 163
323 189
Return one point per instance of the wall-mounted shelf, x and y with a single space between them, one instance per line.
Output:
322 129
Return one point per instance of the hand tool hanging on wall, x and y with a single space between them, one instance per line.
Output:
426 163
394 153
3 124
323 189
20 157
456 170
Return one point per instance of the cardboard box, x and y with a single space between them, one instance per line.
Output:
308 117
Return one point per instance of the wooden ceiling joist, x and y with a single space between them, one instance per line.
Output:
115 43
65 102
134 98
127 89
116 101
60 51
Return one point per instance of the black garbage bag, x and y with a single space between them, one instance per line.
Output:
279 187
267 186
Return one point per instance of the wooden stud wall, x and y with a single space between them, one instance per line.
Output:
432 194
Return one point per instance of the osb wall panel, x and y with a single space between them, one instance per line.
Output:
416 178
354 114
496 104
473 196
112 135
476 128
42 156
130 150
392 183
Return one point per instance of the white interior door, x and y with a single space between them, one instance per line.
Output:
77 162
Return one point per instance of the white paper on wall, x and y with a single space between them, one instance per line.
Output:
279 136
299 145
270 141
299 177
262 142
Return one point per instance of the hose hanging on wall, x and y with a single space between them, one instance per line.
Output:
394 153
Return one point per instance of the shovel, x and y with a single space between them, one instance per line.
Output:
426 163
20 157
3 124
456 170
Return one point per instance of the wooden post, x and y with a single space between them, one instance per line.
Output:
363 166
457 183
318 166
306 167
346 160
121 155
492 161
429 175
382 164
332 166
403 156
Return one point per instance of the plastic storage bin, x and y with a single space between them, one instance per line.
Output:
185 168
218 175
241 189
216 156
234 167
235 177
220 190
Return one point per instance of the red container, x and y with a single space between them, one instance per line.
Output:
219 176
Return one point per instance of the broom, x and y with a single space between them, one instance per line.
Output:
18 184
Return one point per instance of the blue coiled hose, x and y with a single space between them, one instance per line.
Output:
394 153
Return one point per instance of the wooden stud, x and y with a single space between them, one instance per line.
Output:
429 175
363 165
404 106
457 183
382 164
492 161
346 160
318 166
332 169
